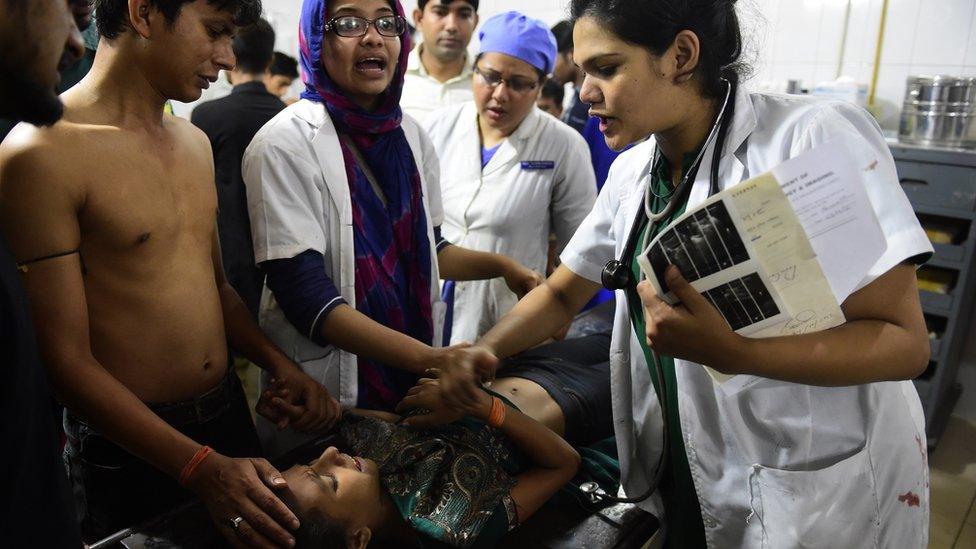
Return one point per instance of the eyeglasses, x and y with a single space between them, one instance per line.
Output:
351 26
517 84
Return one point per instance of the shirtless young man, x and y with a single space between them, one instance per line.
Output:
112 214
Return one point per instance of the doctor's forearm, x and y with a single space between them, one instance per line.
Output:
540 313
352 331
861 351
884 339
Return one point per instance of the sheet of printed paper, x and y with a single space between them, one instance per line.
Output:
827 191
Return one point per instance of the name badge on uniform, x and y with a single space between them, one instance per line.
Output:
538 164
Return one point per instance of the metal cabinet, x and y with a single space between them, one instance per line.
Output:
941 185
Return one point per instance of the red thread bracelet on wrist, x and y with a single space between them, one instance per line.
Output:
496 417
194 462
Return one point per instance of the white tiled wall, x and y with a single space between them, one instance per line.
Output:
921 37
794 39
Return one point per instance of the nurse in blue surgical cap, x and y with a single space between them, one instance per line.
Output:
511 175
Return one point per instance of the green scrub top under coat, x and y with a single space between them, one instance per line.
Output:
685 529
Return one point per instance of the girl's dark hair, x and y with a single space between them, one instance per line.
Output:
653 24
316 530
112 16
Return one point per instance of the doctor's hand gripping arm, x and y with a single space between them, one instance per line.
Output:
533 319
883 339
457 263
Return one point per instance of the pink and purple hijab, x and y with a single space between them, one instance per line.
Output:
393 252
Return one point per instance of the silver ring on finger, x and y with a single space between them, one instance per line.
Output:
235 522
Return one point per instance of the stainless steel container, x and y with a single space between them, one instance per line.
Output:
939 111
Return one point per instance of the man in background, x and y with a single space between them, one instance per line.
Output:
230 123
439 70
281 74
37 39
551 98
575 111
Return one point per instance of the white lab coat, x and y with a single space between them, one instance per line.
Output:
775 464
298 199
507 208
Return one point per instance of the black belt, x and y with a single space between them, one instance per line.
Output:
202 408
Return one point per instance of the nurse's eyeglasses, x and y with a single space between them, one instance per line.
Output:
351 26
517 84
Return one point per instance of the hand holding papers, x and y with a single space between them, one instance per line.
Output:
773 253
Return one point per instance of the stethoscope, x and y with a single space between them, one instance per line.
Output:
618 276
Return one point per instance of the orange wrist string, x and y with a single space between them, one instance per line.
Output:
194 462
496 417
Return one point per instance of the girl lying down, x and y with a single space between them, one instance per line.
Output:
464 477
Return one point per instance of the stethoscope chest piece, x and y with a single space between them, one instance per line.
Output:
592 491
615 275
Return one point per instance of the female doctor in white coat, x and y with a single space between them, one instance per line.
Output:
345 211
818 440
510 174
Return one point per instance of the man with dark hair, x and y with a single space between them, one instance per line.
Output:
230 123
575 111
37 38
439 70
111 213
551 98
113 16
28 88
70 73
283 71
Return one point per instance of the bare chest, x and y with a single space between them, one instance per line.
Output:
144 203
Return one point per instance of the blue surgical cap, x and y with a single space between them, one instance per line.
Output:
521 37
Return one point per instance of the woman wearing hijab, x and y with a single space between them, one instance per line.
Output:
344 199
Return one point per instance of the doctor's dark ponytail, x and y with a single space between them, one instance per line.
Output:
653 24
